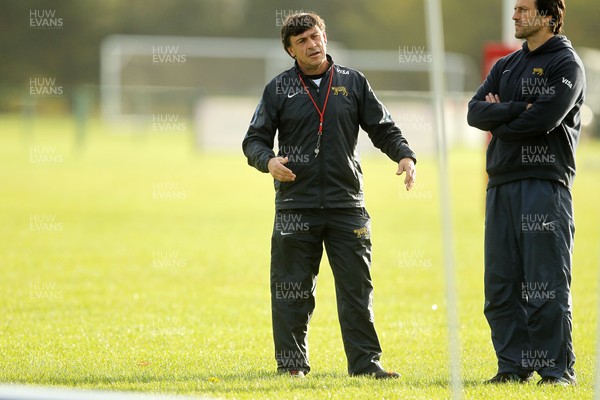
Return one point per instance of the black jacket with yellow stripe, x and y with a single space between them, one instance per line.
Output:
333 179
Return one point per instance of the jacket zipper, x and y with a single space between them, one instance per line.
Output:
322 158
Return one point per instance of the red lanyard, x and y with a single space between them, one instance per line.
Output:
321 113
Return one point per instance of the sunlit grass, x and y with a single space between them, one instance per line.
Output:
138 263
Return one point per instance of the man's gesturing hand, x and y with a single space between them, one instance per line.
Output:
408 165
279 171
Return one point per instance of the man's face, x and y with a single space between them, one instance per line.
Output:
309 48
528 21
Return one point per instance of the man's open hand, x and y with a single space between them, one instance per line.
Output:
408 165
279 171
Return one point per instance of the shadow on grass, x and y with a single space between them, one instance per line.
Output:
242 382
234 381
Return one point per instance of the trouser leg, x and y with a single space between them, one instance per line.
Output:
296 250
547 242
348 245
505 309
527 279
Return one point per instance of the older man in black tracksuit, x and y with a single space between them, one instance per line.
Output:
317 108
531 103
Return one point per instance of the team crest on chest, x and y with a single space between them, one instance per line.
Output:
339 90
538 71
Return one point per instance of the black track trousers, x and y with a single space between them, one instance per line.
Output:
529 234
297 247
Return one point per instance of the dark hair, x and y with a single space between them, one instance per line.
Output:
297 24
555 9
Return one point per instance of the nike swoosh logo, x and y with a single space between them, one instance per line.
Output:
290 95
287 233
545 224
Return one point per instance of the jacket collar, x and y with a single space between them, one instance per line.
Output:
329 60
555 43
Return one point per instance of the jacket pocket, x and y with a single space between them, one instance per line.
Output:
279 187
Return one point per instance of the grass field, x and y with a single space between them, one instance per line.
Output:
137 263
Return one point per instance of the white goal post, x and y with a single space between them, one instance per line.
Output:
118 51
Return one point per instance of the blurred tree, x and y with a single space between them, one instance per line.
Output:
71 53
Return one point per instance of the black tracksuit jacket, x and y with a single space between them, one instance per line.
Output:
539 142
334 178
